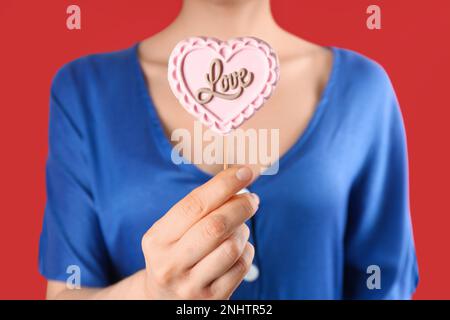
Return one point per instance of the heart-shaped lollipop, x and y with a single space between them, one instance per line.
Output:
223 83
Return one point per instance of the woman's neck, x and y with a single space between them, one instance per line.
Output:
222 19
225 19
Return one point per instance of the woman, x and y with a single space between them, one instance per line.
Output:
333 223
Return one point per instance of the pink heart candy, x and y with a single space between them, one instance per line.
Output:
223 83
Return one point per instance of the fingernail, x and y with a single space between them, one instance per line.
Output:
244 174
255 197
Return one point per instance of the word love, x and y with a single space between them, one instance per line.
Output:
220 84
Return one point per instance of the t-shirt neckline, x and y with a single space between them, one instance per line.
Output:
165 146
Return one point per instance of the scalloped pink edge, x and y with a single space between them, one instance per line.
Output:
225 49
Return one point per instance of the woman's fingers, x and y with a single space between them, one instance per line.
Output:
221 259
211 216
226 284
202 201
207 234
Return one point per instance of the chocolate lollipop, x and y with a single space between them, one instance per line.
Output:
223 83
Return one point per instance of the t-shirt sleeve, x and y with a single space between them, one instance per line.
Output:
380 259
71 240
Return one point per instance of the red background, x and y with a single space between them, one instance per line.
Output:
413 46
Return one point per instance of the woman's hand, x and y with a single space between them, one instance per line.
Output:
199 249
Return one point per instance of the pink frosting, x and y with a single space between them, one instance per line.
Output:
190 62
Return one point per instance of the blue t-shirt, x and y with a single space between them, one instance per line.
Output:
332 222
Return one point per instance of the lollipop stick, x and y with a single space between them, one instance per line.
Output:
225 153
